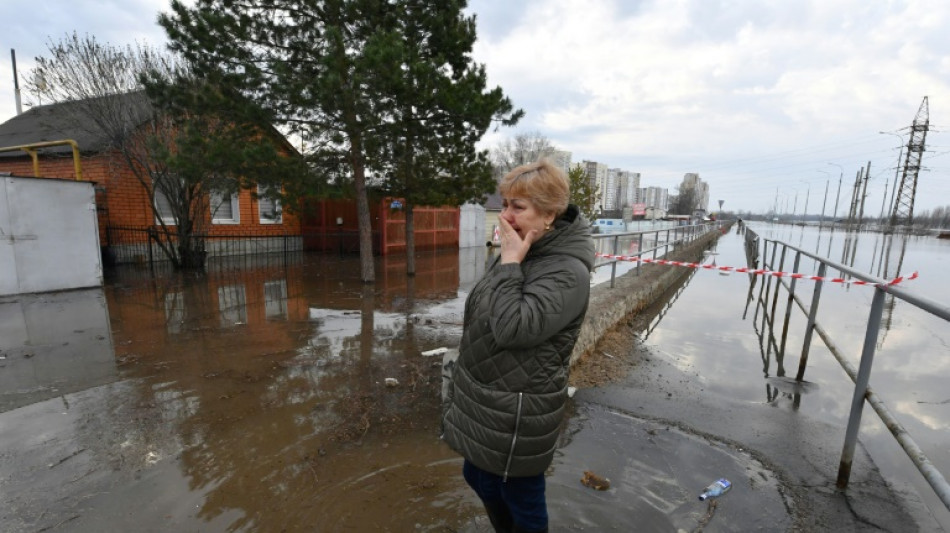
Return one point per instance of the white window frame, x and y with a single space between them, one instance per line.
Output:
260 211
161 218
216 200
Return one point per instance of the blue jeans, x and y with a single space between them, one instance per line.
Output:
523 496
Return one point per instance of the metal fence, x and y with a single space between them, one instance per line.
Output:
770 256
615 248
142 245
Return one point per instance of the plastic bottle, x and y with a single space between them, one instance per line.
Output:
717 488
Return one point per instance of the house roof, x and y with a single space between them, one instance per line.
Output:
64 120
493 201
68 120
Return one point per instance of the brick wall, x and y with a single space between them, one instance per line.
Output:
123 201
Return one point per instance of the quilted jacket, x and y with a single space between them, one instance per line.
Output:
505 403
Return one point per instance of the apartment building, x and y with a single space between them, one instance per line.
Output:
691 180
598 175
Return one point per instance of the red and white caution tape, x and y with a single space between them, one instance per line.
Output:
754 271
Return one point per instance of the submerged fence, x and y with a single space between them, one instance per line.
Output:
144 246
771 255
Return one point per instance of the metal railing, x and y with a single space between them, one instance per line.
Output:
637 244
758 249
140 244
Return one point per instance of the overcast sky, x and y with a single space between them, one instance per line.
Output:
768 101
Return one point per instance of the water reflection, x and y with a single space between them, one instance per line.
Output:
281 394
53 344
651 317
284 371
910 371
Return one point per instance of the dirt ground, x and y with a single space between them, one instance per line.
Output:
611 360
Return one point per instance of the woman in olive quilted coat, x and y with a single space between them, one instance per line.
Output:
506 401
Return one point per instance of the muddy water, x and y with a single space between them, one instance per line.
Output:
250 398
254 398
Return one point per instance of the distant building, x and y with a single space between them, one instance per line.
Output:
654 197
625 183
691 180
633 185
597 174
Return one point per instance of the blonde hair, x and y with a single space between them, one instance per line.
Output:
543 184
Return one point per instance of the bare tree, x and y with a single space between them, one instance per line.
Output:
519 150
179 159
685 202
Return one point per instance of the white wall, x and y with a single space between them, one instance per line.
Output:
471 226
48 235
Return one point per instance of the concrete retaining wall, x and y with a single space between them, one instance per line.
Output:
632 293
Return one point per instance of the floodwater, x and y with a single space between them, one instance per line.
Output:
731 350
281 394
250 398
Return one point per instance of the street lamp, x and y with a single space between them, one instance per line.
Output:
825 201
834 217
807 193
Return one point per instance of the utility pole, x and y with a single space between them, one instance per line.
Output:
834 217
853 211
16 83
903 212
823 203
883 201
807 194
864 194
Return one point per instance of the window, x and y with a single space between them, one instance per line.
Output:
268 208
225 209
163 205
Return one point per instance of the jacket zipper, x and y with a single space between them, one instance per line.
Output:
514 439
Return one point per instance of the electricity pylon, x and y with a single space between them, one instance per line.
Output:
903 211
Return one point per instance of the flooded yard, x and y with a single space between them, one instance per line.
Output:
250 397
285 395
279 393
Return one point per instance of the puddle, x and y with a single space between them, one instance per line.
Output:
656 473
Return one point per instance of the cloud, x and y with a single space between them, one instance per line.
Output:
752 95
688 82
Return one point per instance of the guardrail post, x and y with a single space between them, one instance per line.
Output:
810 328
861 387
791 299
639 252
778 284
613 265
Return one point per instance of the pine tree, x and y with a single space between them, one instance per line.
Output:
584 192
438 106
377 87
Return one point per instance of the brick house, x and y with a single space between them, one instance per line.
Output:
122 201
